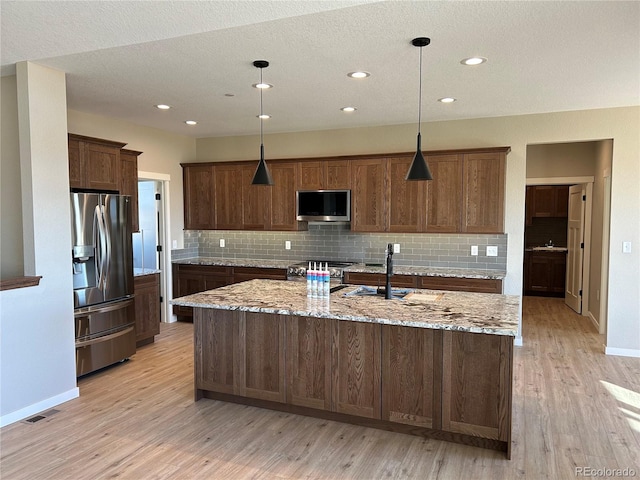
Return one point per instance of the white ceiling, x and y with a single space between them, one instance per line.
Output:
123 57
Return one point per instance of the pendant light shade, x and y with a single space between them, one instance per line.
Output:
262 175
419 170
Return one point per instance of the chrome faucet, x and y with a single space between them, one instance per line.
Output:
389 273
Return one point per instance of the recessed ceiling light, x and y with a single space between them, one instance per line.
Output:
473 61
446 100
191 122
262 85
348 109
264 116
358 74
162 106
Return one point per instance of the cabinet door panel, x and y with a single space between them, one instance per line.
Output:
262 368
216 348
409 394
129 183
147 305
199 212
337 175
368 195
483 193
309 362
406 200
444 193
379 279
256 202
102 167
283 195
477 384
228 197
311 175
76 163
356 368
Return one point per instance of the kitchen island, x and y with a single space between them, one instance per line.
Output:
436 364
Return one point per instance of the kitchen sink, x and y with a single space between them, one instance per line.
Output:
363 291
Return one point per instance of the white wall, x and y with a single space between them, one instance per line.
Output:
620 124
36 323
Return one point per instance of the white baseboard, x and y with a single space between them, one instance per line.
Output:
622 352
39 407
518 341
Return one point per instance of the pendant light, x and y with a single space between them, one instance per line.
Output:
262 175
419 169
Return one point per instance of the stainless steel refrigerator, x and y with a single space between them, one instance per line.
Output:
102 266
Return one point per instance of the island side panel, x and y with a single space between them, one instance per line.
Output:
477 384
411 388
356 368
214 350
308 362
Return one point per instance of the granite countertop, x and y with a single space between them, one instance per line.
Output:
547 249
487 313
356 268
235 262
139 272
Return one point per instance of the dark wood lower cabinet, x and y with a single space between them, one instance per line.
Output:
453 386
147 306
478 285
544 273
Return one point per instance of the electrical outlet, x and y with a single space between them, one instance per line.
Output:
396 248
222 243
175 244
626 247
287 245
474 250
492 251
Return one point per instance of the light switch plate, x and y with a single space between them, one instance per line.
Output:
626 247
175 244
492 251
222 243
396 248
474 250
287 245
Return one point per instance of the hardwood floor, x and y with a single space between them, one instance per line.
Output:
573 407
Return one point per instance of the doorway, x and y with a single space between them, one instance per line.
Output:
149 243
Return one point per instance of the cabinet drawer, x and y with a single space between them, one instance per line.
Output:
205 270
249 273
479 285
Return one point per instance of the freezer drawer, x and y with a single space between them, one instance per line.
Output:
106 350
99 320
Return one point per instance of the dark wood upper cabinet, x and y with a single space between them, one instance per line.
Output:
324 175
406 202
544 201
94 163
198 191
129 183
483 192
256 201
368 195
283 195
228 196
444 193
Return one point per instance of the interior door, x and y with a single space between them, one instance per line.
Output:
575 245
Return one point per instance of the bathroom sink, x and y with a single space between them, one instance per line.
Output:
363 291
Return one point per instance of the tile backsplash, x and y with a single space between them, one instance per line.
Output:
337 242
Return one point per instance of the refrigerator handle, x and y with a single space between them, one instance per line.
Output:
101 254
107 241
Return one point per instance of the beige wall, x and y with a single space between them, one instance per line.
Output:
561 160
620 124
162 153
11 252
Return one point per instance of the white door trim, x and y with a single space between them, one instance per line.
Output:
165 277
560 180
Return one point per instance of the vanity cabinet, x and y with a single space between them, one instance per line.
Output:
545 273
94 163
147 305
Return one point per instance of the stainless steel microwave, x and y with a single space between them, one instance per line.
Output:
323 205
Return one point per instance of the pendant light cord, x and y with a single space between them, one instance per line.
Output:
261 113
420 94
